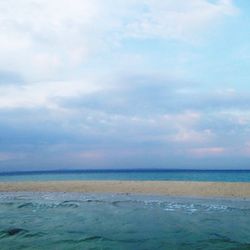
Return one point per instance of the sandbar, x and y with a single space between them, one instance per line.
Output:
170 188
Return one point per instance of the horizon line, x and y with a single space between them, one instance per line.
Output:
61 171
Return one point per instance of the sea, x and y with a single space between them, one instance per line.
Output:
130 174
59 220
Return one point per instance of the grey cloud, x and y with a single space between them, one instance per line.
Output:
9 77
217 101
33 126
124 123
149 95
132 95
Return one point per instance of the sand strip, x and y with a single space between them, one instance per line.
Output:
172 188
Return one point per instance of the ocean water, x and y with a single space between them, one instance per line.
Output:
112 221
175 175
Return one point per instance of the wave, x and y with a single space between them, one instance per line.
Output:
20 232
101 238
75 201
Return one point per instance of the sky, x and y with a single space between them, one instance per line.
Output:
124 84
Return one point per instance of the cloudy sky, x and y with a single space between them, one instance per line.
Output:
124 84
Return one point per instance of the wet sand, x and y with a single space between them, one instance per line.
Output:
171 188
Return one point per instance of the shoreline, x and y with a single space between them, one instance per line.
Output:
169 188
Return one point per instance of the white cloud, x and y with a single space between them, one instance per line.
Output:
190 136
6 156
207 151
178 19
236 116
186 128
42 39
43 94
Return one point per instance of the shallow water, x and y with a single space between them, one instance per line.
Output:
99 221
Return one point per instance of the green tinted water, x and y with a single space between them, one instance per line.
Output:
79 221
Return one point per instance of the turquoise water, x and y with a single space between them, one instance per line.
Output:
228 176
95 221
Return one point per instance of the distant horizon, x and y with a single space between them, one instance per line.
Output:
58 171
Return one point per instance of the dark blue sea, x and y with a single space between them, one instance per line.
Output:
174 175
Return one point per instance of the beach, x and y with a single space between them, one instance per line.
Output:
170 188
